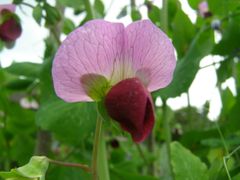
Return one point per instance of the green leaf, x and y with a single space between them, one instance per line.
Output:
194 3
215 170
119 175
19 119
71 3
188 66
67 173
229 43
20 153
232 123
186 165
154 13
238 77
46 83
52 14
135 14
35 169
70 122
25 69
122 13
19 84
183 32
237 177
222 7
99 7
17 1
68 26
173 7
37 13
225 70
228 101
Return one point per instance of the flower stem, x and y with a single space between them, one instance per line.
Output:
95 148
222 138
225 159
99 157
89 9
102 160
151 146
139 148
164 16
167 137
78 165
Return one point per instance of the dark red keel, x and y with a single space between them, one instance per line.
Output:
130 104
10 29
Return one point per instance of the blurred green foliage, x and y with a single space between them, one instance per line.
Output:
65 131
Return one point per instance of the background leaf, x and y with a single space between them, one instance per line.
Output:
186 165
70 122
201 46
35 169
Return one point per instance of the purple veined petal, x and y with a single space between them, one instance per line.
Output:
203 8
94 48
10 7
151 54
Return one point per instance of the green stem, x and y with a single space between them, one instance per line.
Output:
99 157
151 145
95 148
6 107
102 160
141 153
167 132
222 138
89 9
7 161
225 159
164 22
164 16
28 5
67 164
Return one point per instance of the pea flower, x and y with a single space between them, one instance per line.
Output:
204 10
10 28
120 66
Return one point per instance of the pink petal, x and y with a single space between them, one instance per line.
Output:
10 7
93 48
151 53
203 7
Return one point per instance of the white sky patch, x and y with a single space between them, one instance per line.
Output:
158 102
192 14
210 60
203 86
231 84
217 36
178 102
215 105
114 11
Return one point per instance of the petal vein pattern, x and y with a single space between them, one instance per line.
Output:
99 47
93 48
150 49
